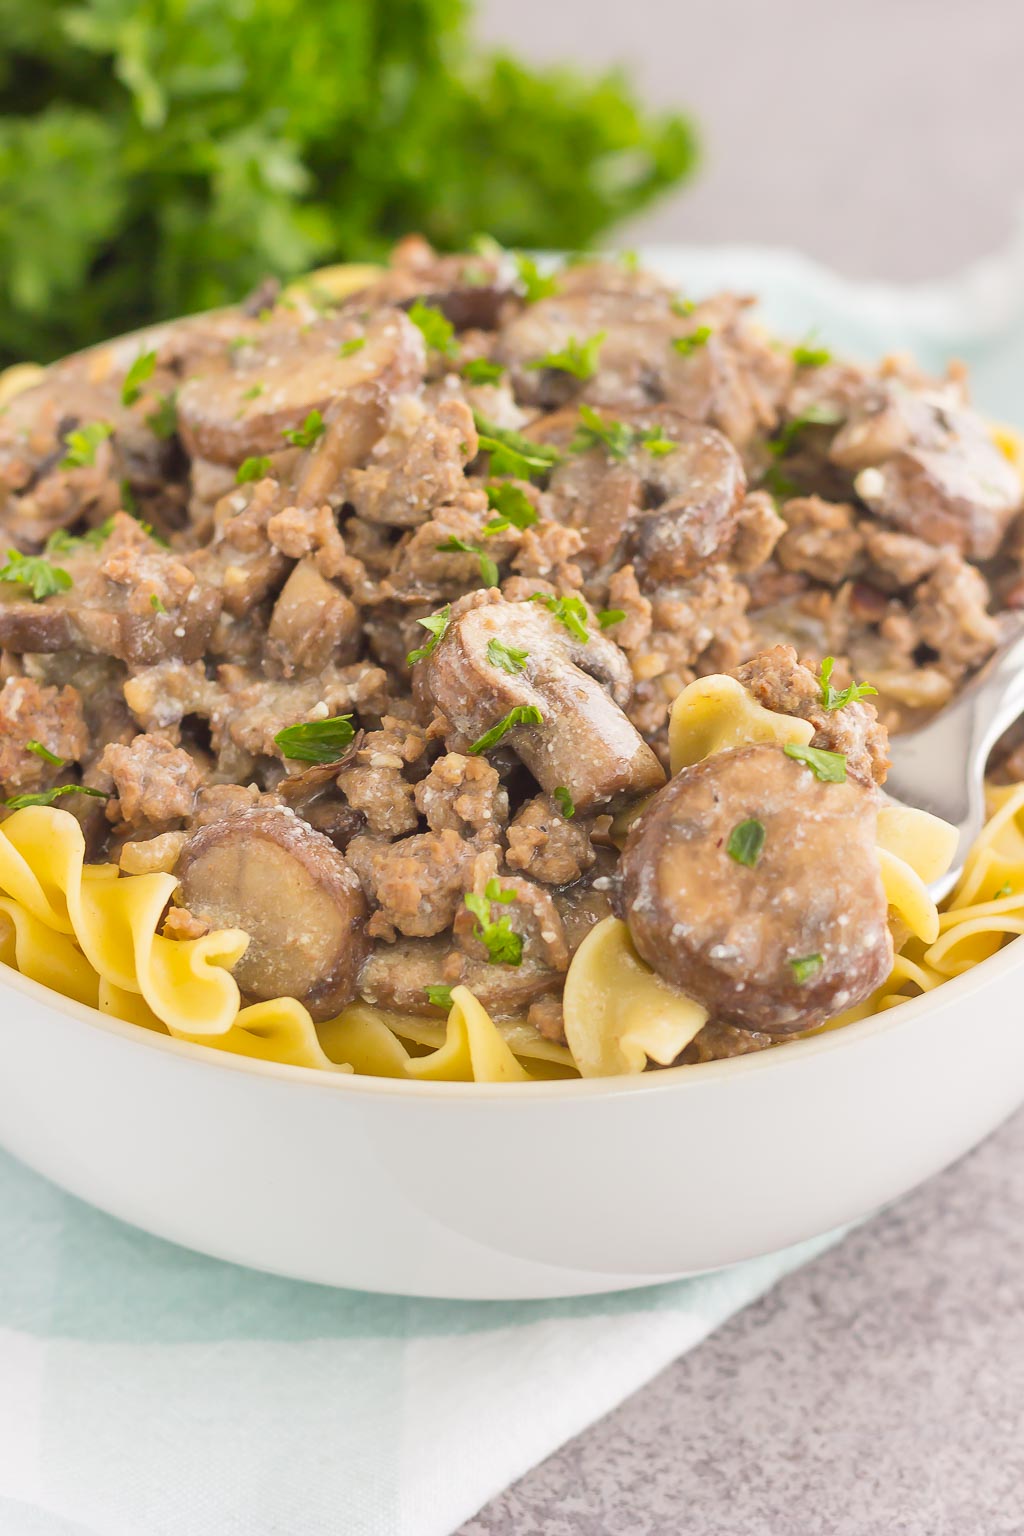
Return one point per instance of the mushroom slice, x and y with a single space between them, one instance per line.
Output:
496 657
290 890
244 408
757 890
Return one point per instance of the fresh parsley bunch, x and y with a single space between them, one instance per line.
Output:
157 159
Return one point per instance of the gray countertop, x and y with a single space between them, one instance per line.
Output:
880 1389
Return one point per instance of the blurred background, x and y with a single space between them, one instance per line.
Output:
159 156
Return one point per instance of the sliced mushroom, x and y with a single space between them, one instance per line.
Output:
583 741
777 941
313 623
244 407
290 890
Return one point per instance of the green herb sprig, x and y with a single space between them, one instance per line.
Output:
316 741
522 714
504 946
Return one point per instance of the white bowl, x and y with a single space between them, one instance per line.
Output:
512 1190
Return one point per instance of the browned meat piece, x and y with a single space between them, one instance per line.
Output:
416 884
547 1019
758 530
396 976
530 912
417 465
260 392
128 599
470 290
582 740
898 560
180 924
822 539
720 1042
313 623
779 682
463 794
375 781
777 947
290 890
154 781
223 802
49 718
950 614
548 847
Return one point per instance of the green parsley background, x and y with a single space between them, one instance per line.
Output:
162 156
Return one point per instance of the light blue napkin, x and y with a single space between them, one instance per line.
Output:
145 1391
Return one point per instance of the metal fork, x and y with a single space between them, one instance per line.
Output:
941 767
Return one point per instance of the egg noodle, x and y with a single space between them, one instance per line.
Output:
91 933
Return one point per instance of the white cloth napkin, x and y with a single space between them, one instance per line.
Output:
146 1391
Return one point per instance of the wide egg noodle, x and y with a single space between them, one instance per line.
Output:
716 713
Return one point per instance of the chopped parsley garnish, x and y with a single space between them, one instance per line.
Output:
438 331
682 307
577 358
616 437
513 454
45 753
829 767
157 604
42 579
656 442
838 698
504 946
522 714
686 346
564 801
253 392
807 355
128 502
349 348
48 796
1004 890
316 741
252 469
570 611
482 371
778 484
306 435
457 546
508 657
61 542
746 840
82 444
805 968
513 506
163 422
535 285
439 996
138 373
437 624
817 415
609 616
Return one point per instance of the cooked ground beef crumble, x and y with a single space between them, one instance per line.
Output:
501 536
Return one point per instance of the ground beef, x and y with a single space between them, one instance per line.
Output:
417 465
375 782
779 682
951 615
822 539
464 795
718 1042
758 531
897 560
547 1018
51 718
154 781
416 884
547 846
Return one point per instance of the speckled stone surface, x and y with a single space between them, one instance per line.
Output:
881 1389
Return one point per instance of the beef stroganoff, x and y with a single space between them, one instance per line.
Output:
462 671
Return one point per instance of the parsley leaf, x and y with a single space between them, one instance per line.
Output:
438 331
138 373
577 358
45 753
609 616
48 796
306 435
513 454
657 443
595 432
564 801
508 657
807 355
522 714
833 698
682 307
252 469
42 579
807 967
482 371
817 415
504 946
746 840
570 611
488 568
61 542
253 392
82 444
439 996
157 604
316 741
829 767
535 286
686 346
513 506
437 624
349 348
163 422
